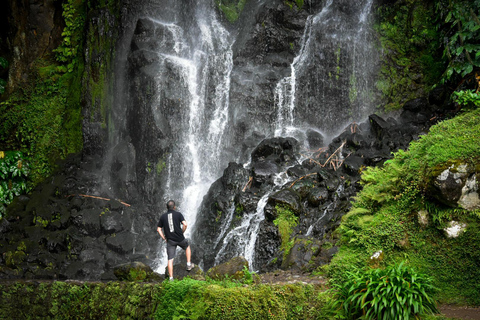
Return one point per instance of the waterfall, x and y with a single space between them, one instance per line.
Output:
305 99
198 65
240 241
329 82
184 120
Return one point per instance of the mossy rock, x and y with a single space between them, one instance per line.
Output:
232 269
136 271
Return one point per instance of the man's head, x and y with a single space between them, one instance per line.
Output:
170 205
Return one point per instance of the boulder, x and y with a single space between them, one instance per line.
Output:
455 229
469 199
135 271
303 255
455 185
378 125
315 139
287 198
232 269
317 196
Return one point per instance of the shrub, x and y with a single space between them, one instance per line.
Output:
13 174
396 292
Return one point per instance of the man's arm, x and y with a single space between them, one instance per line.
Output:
184 226
160 231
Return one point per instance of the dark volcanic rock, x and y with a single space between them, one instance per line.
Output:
216 209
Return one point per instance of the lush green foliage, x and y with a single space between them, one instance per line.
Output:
59 300
39 122
384 214
186 299
68 51
459 23
286 221
469 99
410 60
414 56
43 118
396 292
14 171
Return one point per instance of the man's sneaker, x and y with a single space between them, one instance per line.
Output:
190 266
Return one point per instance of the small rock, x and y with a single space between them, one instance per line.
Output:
455 229
423 218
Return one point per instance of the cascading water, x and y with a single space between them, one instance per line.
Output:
329 84
305 99
197 66
184 121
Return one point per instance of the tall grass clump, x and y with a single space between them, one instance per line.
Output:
396 292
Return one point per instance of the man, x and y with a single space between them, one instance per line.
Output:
171 227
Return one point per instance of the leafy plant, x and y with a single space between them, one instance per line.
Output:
247 276
459 23
467 98
396 292
14 170
67 52
231 8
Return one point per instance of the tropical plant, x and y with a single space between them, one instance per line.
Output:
13 174
396 292
460 25
469 99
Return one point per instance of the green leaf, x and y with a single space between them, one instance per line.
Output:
3 62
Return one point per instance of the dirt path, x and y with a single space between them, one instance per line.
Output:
463 313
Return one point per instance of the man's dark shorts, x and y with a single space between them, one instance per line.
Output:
172 247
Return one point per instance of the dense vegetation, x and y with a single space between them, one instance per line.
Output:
425 44
384 214
42 119
186 299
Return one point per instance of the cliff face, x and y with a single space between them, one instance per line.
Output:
30 31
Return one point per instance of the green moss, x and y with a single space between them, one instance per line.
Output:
286 220
171 300
411 62
231 8
161 164
383 216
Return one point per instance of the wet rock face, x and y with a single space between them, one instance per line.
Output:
269 35
61 231
318 191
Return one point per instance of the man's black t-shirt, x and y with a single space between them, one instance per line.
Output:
171 222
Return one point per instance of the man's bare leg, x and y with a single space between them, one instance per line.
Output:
170 267
188 253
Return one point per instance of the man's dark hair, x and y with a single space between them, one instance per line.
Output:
170 204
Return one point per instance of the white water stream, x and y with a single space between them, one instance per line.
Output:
199 61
